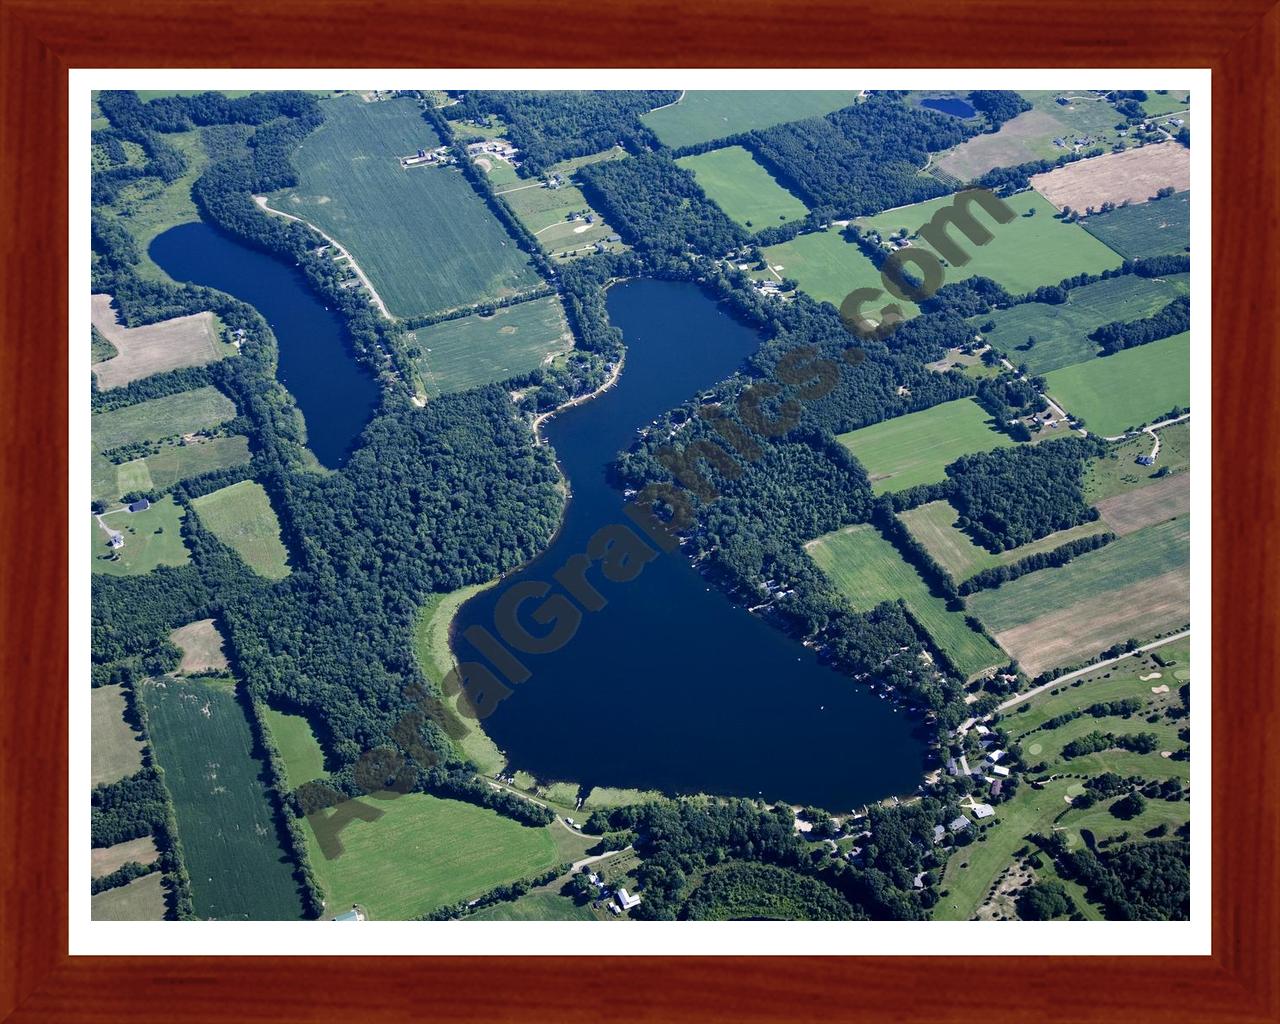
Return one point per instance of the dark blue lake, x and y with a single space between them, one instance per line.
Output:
950 105
336 395
671 686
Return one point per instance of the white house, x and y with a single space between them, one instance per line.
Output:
625 900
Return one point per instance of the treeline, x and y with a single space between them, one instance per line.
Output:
658 205
1011 496
765 892
1059 556
1000 105
1017 178
1173 319
861 159
550 126
508 893
1097 741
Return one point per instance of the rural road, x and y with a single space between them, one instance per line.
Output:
525 796
364 279
1013 701
1152 430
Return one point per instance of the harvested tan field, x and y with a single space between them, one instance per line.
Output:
201 645
1018 141
1164 499
140 900
1134 175
168 345
1155 605
107 859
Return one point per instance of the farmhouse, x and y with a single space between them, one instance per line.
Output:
1146 460
960 824
141 505
625 900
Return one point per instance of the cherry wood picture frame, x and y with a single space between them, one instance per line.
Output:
41 39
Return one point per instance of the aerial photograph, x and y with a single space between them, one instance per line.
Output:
619 505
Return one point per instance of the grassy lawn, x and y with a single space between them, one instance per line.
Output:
475 350
742 188
547 212
536 906
241 517
1145 229
151 538
867 569
1134 386
160 418
713 114
915 449
1167 102
608 796
238 868
423 236
115 749
140 900
1117 472
1062 331
829 268
299 749
1146 553
1025 253
933 526
424 852
431 648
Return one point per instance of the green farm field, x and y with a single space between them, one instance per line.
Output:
1145 229
868 570
701 116
536 906
299 749
1147 553
423 852
916 448
140 900
173 463
115 749
159 418
1131 387
546 211
972 870
1157 104
431 648
933 525
1117 472
423 236
151 538
747 192
829 268
459 354
241 517
1023 254
239 870
1062 331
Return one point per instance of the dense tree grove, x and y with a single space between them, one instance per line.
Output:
1000 105
657 204
861 159
133 807
680 839
1148 881
1172 319
550 126
1011 496
765 892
